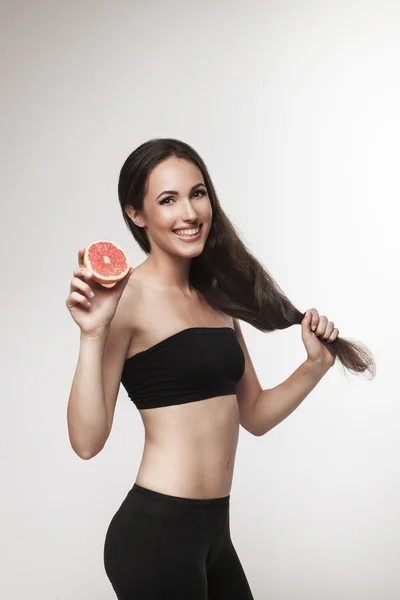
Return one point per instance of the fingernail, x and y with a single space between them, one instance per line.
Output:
89 273
91 294
314 327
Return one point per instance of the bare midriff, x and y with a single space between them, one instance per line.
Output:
190 448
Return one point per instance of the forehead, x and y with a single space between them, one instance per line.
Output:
173 174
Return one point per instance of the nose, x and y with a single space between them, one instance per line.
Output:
188 212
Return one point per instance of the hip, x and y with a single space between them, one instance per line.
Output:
157 541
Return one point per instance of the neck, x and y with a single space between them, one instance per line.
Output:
170 273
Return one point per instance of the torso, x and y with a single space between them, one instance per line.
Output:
189 448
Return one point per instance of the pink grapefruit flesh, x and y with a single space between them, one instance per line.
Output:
108 261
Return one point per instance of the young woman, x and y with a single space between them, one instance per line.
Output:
170 333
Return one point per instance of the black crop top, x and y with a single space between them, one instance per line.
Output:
193 364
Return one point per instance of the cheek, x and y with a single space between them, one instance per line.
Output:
206 210
164 220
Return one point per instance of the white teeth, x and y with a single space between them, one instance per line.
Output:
187 232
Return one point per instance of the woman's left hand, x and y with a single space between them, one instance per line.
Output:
324 329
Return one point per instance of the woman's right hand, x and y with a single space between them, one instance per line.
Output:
93 315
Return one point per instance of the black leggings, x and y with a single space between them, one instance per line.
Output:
161 547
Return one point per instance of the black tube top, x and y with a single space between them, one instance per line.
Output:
190 365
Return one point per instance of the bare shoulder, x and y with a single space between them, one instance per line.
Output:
131 299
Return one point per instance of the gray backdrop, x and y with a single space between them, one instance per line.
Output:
294 107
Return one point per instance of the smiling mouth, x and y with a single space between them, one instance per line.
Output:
190 235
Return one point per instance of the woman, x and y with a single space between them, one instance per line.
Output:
170 332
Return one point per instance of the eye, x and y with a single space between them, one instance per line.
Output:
164 199
202 193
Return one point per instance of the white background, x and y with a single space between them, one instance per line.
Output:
294 106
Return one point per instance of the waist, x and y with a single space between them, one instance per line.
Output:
159 503
190 449
198 472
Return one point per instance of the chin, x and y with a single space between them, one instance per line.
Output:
190 252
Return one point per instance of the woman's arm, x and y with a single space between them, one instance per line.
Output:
87 411
261 410
275 404
95 386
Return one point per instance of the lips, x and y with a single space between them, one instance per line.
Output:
188 228
188 238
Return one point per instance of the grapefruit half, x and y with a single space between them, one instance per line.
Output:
108 261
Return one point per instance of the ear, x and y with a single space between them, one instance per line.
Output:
135 216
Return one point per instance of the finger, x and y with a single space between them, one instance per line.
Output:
306 323
323 320
83 272
314 318
78 284
76 298
87 275
334 336
81 252
328 330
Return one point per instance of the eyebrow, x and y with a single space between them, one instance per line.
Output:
174 192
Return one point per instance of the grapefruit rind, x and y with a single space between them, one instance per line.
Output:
98 276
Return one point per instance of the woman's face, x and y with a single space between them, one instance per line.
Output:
177 199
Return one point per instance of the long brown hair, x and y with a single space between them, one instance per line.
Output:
226 273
